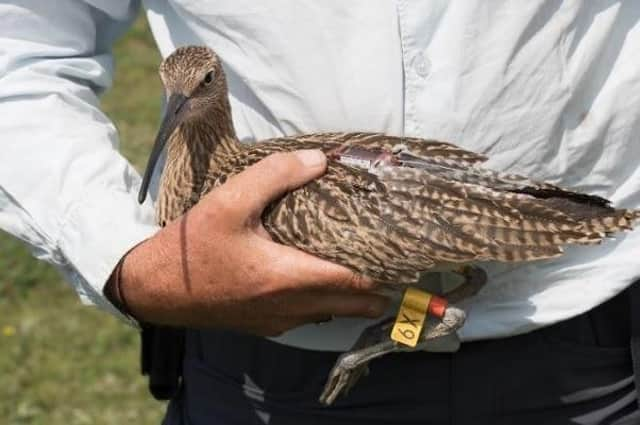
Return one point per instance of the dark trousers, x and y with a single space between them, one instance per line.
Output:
576 372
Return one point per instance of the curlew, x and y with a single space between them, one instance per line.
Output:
388 207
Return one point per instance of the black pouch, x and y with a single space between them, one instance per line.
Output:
162 353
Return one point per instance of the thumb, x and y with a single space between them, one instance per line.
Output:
275 175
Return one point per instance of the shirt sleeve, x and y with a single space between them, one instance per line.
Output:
64 188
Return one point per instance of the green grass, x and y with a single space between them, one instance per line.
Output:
62 362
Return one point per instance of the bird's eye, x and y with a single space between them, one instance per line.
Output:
208 78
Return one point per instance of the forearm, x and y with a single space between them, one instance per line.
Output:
216 265
145 286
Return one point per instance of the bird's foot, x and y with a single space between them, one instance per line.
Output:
399 148
385 158
349 368
337 152
352 365
438 335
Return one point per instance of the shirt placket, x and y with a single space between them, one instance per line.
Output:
415 34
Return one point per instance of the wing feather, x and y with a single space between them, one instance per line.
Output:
423 204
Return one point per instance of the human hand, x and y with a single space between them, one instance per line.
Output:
216 266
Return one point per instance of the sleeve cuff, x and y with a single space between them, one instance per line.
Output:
98 231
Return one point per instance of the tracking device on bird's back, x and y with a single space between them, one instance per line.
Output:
416 304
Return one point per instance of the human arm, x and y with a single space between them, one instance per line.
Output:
216 265
64 188
67 192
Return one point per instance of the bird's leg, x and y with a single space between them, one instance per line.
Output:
475 279
335 153
375 341
359 157
385 158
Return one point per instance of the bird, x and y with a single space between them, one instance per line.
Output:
388 207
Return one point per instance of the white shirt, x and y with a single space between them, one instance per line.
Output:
546 89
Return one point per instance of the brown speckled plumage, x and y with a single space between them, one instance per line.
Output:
388 207
432 204
390 222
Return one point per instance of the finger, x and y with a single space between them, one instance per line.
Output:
262 232
274 175
340 306
318 305
290 265
306 320
271 329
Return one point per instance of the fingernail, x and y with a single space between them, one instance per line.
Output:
311 158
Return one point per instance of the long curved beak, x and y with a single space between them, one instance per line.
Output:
172 118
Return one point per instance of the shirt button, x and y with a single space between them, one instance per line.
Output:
422 65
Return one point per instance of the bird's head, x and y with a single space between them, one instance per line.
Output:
194 81
195 87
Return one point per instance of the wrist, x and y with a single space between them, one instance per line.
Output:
134 274
113 290
123 276
151 281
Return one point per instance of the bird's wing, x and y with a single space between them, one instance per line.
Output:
375 142
390 207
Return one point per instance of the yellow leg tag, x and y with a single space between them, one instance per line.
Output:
411 316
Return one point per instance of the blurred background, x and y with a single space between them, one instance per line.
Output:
62 362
